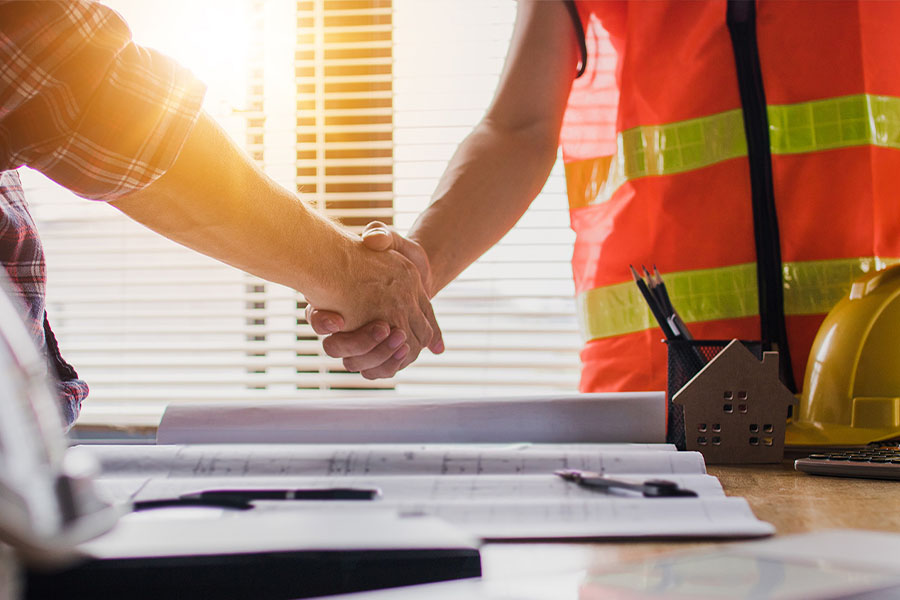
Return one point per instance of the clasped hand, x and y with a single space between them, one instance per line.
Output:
380 348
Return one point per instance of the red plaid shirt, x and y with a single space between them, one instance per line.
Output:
80 102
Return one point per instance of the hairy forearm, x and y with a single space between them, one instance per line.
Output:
489 183
215 201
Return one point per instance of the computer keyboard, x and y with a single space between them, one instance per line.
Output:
876 461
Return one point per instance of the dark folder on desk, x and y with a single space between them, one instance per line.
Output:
264 555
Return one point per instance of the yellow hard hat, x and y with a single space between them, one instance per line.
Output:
851 391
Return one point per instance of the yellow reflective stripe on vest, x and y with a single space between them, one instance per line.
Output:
682 146
810 287
858 120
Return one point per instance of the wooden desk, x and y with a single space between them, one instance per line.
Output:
793 502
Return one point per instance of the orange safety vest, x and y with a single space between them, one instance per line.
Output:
749 150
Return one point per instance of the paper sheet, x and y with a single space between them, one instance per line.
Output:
509 506
241 460
396 488
198 531
492 492
581 418
600 518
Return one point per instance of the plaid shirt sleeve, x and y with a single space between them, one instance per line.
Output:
80 102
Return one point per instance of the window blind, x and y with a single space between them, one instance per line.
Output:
358 105
508 320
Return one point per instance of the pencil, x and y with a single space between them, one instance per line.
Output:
664 292
652 285
673 317
652 303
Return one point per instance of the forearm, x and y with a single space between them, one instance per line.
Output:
503 164
489 183
214 200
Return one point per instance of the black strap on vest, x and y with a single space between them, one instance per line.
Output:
741 19
579 31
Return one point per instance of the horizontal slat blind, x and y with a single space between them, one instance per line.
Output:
358 105
313 135
344 75
508 320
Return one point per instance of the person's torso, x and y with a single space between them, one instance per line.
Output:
667 179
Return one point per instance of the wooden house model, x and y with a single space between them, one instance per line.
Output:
736 408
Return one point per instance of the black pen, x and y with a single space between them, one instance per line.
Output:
287 494
243 499
223 502
650 488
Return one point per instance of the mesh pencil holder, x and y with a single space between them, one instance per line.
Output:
685 359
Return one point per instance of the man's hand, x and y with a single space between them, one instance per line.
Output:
381 237
380 288
376 350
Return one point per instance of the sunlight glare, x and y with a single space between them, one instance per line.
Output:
210 37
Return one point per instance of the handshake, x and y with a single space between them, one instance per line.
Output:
385 318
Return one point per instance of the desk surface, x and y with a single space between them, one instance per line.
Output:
793 502
796 502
